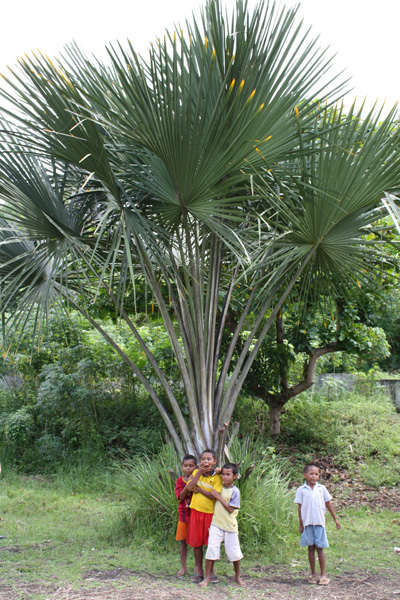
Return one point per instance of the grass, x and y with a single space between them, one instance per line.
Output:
55 535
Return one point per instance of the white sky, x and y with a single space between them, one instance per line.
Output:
364 33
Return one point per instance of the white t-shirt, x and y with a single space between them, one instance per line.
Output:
312 502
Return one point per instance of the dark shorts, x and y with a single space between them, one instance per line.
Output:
199 525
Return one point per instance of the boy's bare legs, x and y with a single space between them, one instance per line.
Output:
209 573
311 560
238 579
183 555
321 558
198 561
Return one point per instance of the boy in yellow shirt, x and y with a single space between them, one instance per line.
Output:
205 481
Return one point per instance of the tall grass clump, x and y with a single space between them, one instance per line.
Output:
266 518
148 485
266 504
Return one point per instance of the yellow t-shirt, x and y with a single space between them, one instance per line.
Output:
208 483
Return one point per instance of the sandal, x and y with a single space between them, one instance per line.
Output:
197 578
324 581
214 579
312 579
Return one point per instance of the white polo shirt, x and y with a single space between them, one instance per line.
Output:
312 502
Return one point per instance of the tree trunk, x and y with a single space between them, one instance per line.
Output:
275 410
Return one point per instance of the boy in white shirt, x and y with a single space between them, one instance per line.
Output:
313 499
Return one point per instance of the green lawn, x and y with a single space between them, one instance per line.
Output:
56 535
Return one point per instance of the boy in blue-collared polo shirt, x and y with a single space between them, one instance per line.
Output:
313 499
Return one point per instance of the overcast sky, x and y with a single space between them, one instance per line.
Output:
364 34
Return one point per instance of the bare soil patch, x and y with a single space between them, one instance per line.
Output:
270 583
347 489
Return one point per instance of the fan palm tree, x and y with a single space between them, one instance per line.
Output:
204 168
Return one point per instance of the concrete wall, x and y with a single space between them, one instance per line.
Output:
393 389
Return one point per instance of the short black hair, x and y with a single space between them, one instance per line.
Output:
307 467
209 451
232 467
189 457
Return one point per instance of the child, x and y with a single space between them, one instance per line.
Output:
204 481
313 499
224 525
188 466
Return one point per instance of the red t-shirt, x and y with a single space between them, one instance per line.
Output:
183 507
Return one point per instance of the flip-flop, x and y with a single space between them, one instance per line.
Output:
324 581
214 579
197 578
312 579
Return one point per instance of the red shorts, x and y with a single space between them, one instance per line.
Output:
199 524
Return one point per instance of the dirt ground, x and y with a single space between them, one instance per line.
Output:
268 583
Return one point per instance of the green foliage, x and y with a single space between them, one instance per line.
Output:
75 395
360 430
206 166
384 312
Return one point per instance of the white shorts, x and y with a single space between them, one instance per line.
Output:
231 543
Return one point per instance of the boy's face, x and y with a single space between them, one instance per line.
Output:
228 477
312 476
207 461
188 466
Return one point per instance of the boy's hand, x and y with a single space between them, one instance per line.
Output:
301 528
204 470
338 525
218 470
215 494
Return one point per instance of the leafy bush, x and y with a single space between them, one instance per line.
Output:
149 489
75 393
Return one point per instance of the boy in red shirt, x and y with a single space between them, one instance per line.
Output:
184 497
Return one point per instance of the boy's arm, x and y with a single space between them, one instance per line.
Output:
183 493
217 496
193 482
209 495
200 490
330 508
301 527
